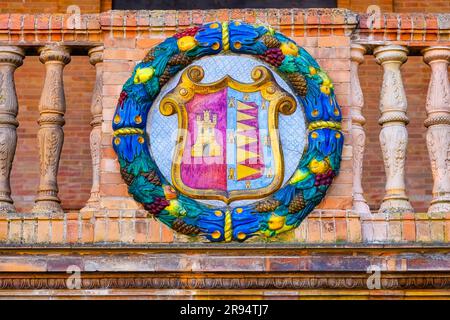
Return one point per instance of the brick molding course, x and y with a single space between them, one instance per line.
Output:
196 271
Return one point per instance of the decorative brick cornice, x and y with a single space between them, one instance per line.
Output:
243 259
39 29
416 29
409 29
171 20
403 269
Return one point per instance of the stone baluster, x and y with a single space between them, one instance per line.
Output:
52 107
438 124
393 135
358 135
96 59
10 58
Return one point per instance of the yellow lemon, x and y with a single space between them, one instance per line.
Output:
276 222
317 166
299 175
186 43
172 207
143 75
289 48
325 89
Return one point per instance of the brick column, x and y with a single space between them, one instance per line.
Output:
96 59
393 135
358 135
10 58
438 124
52 107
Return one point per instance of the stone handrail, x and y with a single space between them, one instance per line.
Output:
413 30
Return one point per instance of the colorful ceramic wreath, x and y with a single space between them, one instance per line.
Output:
283 210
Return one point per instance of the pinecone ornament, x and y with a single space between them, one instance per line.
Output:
298 82
180 59
156 206
270 41
165 77
267 205
152 177
274 56
127 177
150 55
296 204
182 227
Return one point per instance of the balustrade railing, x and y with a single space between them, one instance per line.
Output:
390 54
96 59
394 133
50 137
438 124
11 57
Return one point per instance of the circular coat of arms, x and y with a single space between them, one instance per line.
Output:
228 131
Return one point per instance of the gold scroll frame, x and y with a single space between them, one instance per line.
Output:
188 86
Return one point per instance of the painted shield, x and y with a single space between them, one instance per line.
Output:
228 145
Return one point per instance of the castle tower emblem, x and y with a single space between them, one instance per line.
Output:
206 144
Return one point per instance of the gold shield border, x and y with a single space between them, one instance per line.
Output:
188 86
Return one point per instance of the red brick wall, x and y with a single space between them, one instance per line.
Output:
428 6
361 5
397 5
